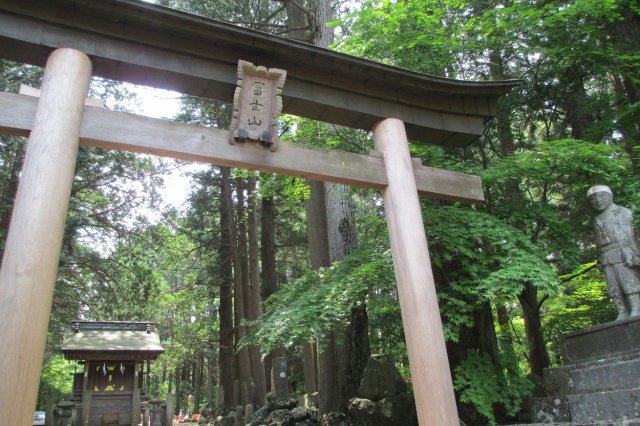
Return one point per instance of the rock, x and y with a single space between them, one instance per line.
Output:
281 417
380 379
282 404
394 410
259 416
335 419
300 413
226 421
309 400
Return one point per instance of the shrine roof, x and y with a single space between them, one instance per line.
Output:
111 340
143 43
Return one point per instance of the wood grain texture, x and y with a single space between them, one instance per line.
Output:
129 132
432 385
32 249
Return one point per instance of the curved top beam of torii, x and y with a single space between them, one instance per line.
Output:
142 43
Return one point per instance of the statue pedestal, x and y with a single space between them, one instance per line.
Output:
600 381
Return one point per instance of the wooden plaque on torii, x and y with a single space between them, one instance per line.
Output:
257 103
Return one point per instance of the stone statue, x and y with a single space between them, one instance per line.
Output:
619 254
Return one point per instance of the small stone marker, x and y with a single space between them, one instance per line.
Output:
239 412
244 393
279 381
236 392
257 103
248 413
219 397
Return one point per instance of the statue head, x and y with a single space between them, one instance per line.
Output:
600 197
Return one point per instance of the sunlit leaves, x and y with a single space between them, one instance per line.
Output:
485 382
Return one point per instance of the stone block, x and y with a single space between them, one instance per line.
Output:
623 374
553 409
596 376
279 378
605 406
601 341
557 381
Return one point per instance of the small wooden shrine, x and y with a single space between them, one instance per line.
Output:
111 387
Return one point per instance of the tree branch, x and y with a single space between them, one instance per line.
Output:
568 278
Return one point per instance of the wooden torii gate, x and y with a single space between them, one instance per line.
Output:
133 41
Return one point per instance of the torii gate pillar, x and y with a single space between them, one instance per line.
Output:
32 248
432 385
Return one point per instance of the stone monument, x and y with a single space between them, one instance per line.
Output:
599 382
619 254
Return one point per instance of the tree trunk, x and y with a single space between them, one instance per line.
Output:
323 35
479 338
268 248
505 339
310 367
626 39
538 356
254 310
503 116
178 382
226 291
575 100
341 230
268 274
319 252
353 353
625 34
211 378
528 298
296 21
14 164
238 249
197 378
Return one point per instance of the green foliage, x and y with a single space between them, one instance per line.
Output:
559 168
496 261
417 35
307 308
551 181
56 380
582 303
485 383
323 135
482 260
